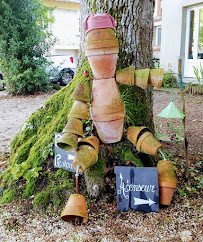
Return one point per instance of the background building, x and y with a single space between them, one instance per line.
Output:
181 35
66 27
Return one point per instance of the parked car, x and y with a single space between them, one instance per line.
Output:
62 69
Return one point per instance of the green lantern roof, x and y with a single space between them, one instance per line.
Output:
171 111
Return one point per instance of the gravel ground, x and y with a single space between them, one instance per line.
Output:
181 221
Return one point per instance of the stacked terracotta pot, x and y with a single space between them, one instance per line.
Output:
167 181
143 140
140 78
86 150
107 108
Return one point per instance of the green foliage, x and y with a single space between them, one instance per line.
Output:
55 194
30 189
33 145
8 195
135 104
41 199
25 39
199 74
169 79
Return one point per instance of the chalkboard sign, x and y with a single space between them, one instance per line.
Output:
63 159
137 188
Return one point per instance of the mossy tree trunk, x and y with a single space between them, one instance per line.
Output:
134 30
31 170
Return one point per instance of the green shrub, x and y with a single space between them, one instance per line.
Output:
24 41
8 195
169 79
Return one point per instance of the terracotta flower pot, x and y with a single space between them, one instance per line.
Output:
156 77
141 78
79 110
100 34
167 181
92 140
81 92
99 21
166 172
100 44
75 207
103 66
105 92
165 195
105 109
74 126
110 131
133 132
126 76
86 156
147 143
103 51
108 116
68 142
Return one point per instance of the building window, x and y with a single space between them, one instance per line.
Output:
200 37
158 34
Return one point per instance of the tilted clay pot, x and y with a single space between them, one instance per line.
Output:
167 181
110 131
74 126
126 76
68 142
75 207
86 156
79 110
81 92
142 78
147 143
156 77
92 140
133 132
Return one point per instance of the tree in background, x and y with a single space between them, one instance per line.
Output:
24 40
31 170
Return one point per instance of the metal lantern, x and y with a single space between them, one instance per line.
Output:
174 125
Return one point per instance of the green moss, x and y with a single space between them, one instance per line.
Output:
55 194
62 174
30 188
8 195
127 155
135 105
34 143
42 199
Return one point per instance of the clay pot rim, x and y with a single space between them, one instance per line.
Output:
73 145
105 109
94 152
141 140
100 44
167 184
89 140
138 128
102 51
